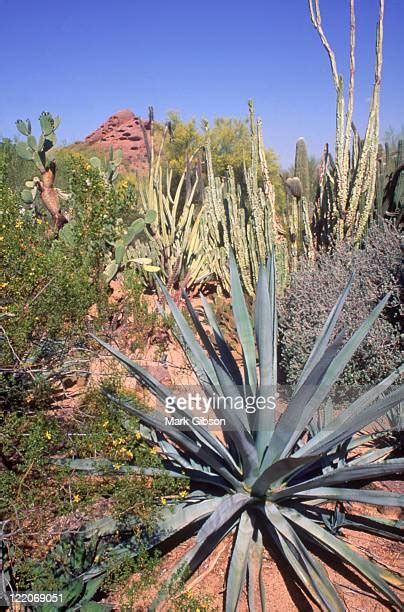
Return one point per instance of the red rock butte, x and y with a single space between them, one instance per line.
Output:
124 131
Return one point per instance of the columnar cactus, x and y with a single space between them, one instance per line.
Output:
302 167
353 175
38 152
245 222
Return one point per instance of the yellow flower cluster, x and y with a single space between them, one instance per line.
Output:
118 442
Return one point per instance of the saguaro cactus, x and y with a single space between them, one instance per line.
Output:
38 152
302 167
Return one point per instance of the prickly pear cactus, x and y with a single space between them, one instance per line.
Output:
38 151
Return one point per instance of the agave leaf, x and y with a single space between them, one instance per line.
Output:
301 408
236 424
306 566
224 349
184 441
201 331
162 393
99 466
227 509
243 325
293 421
371 456
386 528
189 562
364 496
91 589
377 471
73 593
255 564
324 337
342 428
238 562
267 344
189 338
371 571
280 471
355 409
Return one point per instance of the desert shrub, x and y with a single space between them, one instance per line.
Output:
313 292
48 285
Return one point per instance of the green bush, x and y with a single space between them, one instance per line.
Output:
313 291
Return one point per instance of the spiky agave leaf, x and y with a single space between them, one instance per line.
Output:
265 481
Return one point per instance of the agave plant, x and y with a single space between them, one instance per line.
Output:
267 482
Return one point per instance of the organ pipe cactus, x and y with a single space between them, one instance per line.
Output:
267 481
246 222
38 151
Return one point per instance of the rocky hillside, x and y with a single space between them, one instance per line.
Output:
123 130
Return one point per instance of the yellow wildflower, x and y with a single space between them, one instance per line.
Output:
48 435
76 498
163 500
189 594
129 454
153 451
116 466
39 221
3 285
183 493
1 238
138 435
105 424
18 223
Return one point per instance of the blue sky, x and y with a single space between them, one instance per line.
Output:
86 59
